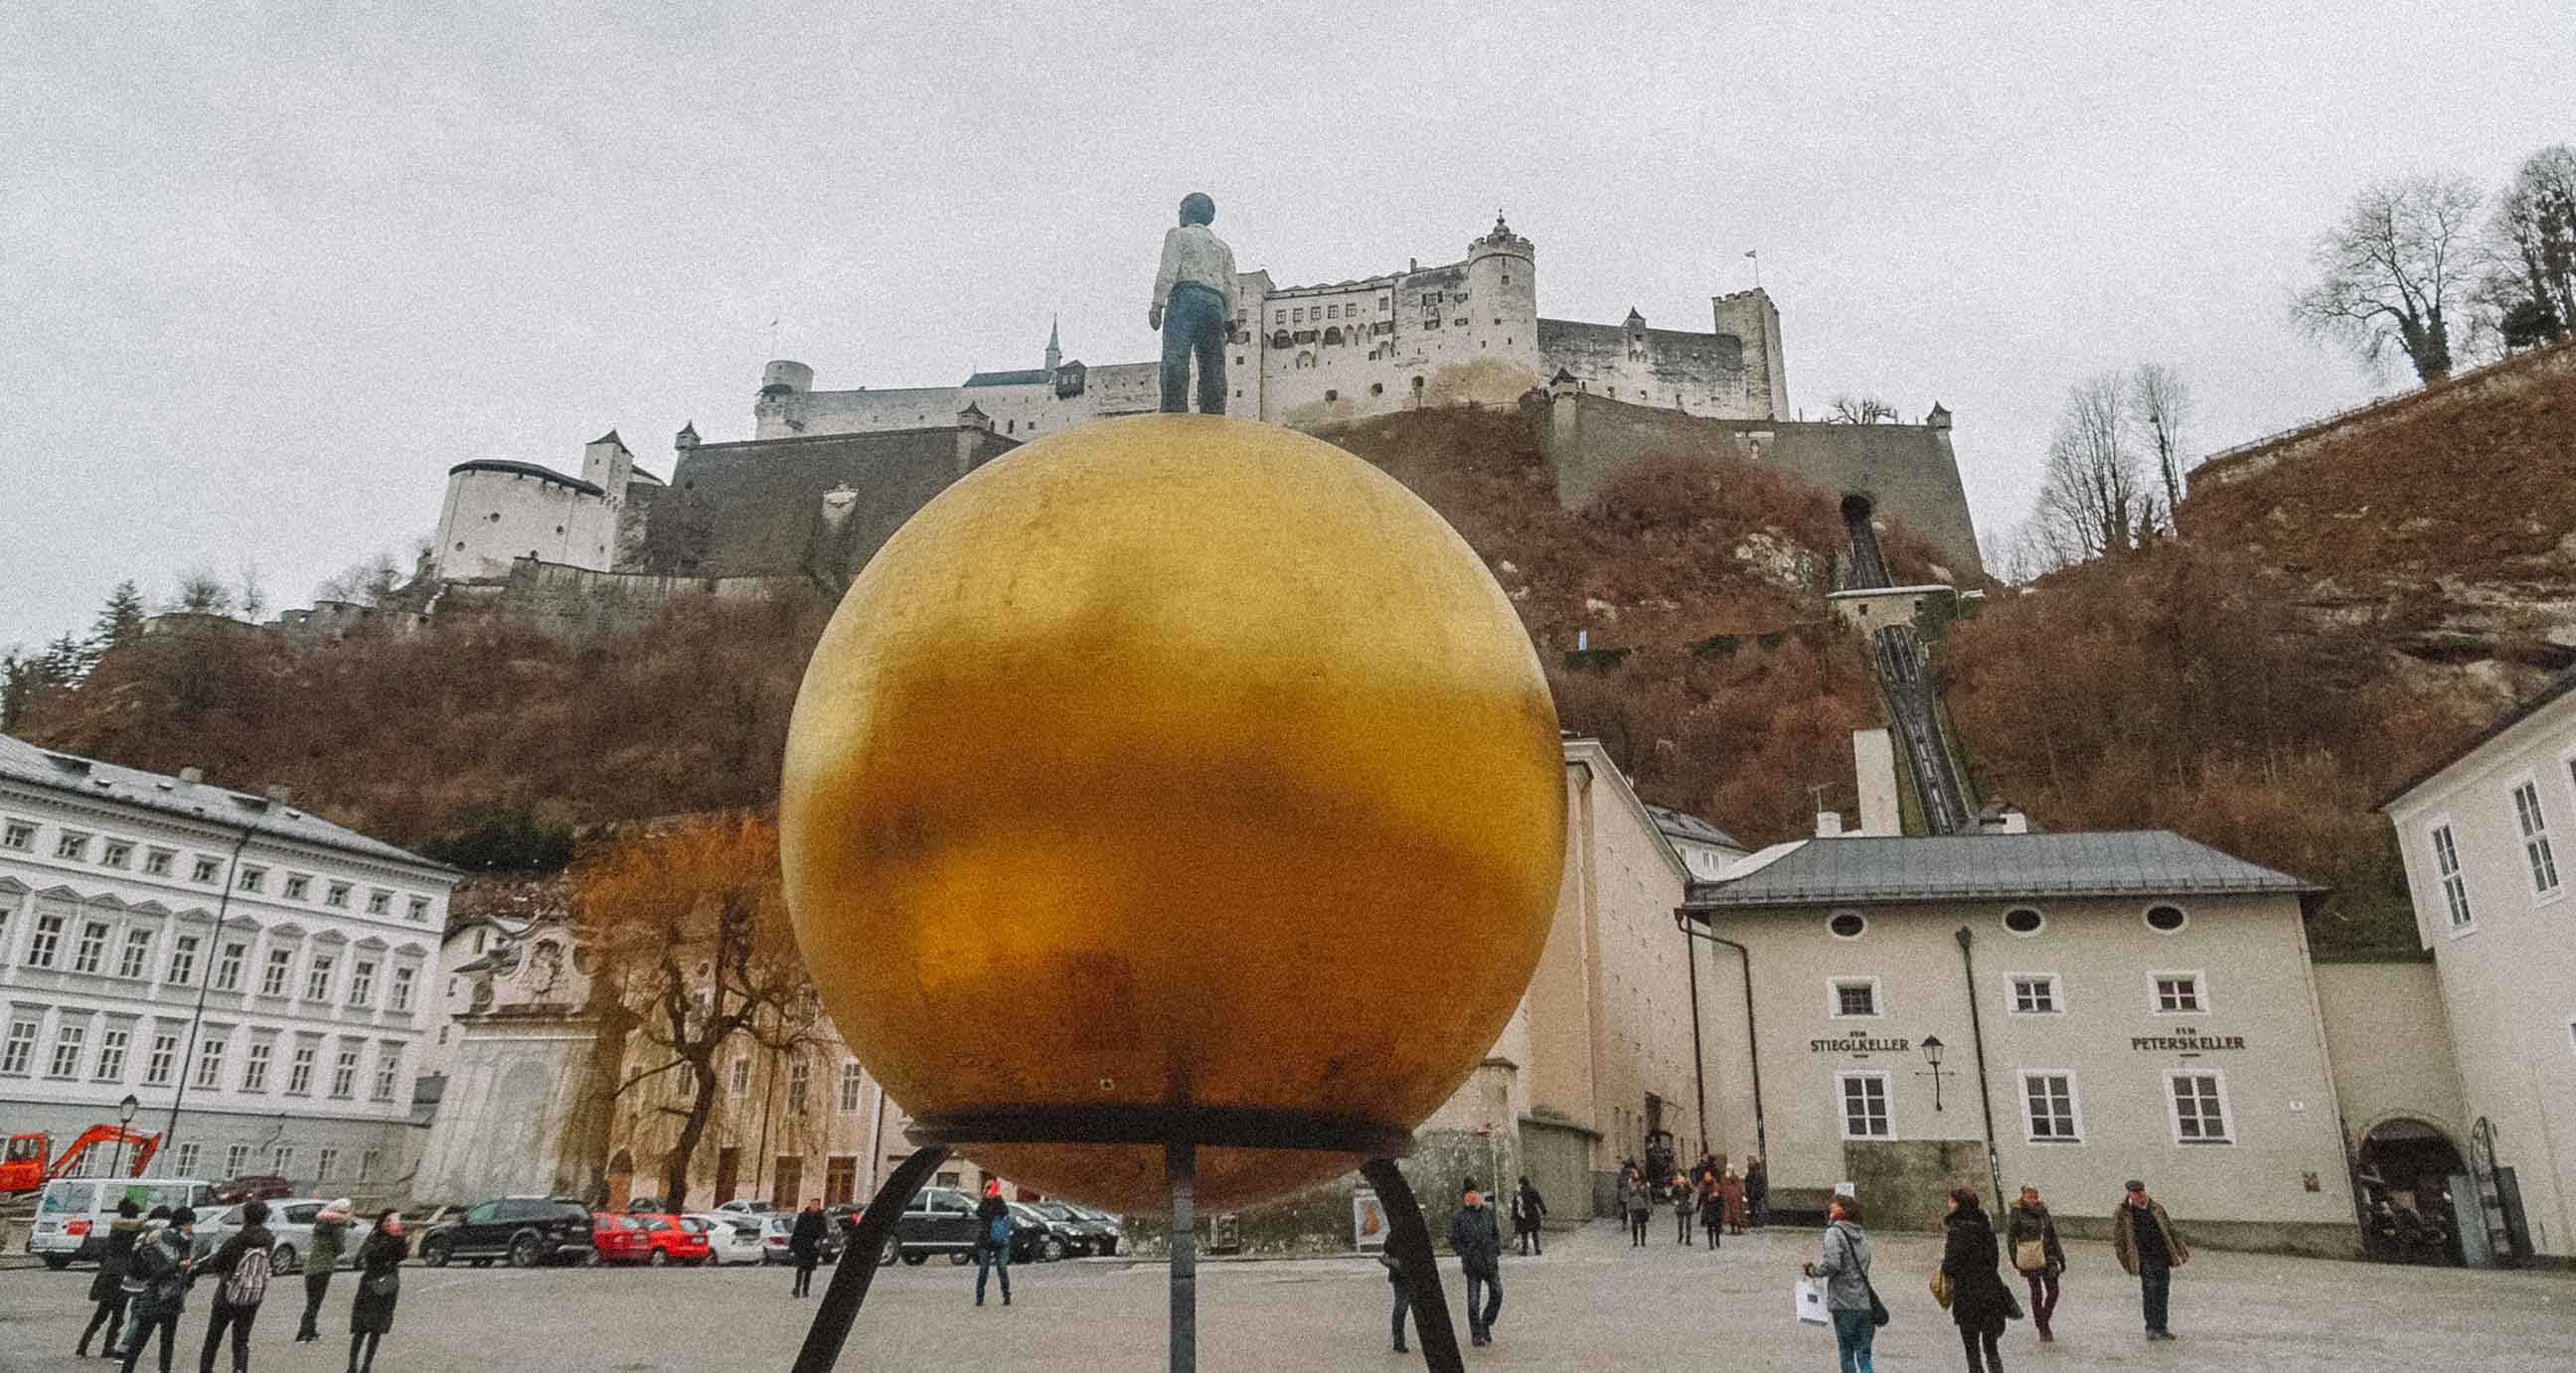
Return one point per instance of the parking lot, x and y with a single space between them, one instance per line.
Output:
1591 1303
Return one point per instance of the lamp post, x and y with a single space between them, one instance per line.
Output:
124 1117
1932 1049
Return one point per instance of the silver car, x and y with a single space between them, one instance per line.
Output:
290 1222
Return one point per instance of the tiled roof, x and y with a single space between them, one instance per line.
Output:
1684 825
2120 863
527 469
1027 376
21 761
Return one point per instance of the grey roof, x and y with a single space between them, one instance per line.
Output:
1026 376
1950 867
527 469
2563 684
1684 825
21 761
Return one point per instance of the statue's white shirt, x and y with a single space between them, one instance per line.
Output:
1192 253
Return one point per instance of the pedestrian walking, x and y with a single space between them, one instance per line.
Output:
1757 1191
1685 1205
107 1290
2036 1255
2148 1246
1712 1210
1849 1299
992 1241
805 1244
1634 1200
1403 1299
321 1259
242 1264
161 1261
371 1315
1479 1246
1730 1192
1979 1301
1529 1214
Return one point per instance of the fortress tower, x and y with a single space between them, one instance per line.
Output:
1502 288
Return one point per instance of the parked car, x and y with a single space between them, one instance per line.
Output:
776 1226
1086 1233
1109 1232
938 1220
731 1237
254 1186
669 1240
527 1231
1037 1238
618 1239
72 1214
645 1206
745 1206
290 1225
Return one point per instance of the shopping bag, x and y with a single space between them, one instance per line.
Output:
1811 1303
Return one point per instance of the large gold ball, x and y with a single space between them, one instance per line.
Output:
1173 761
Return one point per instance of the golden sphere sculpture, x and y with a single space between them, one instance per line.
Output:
1173 765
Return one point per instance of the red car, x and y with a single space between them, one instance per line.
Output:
668 1240
618 1239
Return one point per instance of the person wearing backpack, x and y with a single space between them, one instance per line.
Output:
1848 1296
330 1239
160 1277
992 1241
243 1265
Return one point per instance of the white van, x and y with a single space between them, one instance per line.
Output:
72 1214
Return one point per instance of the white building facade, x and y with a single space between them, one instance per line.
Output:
2489 838
498 511
261 980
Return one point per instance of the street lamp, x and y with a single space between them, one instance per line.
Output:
124 1117
1932 1049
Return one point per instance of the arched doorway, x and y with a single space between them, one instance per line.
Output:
2404 1168
621 1179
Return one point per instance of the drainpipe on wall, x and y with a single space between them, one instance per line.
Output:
1752 1045
1977 1034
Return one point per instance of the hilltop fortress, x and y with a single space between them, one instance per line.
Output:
828 476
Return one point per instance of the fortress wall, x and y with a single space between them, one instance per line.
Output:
756 504
1907 470
1700 374
855 412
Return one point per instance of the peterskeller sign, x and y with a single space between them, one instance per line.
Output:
2185 1042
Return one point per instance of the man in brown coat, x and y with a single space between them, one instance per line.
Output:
2150 1249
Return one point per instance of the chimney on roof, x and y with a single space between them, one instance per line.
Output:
1829 824
192 775
279 793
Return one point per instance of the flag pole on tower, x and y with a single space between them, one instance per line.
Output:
1756 255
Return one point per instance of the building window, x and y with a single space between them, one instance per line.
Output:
326 1164
1864 1105
419 908
2178 994
19 1050
851 1077
46 942
317 978
205 869
740 1086
344 1075
362 983
228 966
400 998
72 846
2166 919
17 834
368 1163
69 1037
92 947
388 1070
336 896
252 879
210 1063
2023 920
799 1073
2199 1108
137 955
1847 925
111 1054
2048 1108
255 1066
2034 994
272 981
236 1160
298 885
299 1071
1855 996
156 862
186 1159
379 901
2446 866
2535 839
116 853
161 1064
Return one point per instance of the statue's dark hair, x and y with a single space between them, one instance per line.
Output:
1198 207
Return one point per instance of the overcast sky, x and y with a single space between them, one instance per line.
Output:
267 270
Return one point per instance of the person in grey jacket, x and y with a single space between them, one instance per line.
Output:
1633 1201
1845 1269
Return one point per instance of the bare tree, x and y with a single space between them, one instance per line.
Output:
2391 273
369 581
2095 500
2530 250
1851 409
2160 407
201 592
251 597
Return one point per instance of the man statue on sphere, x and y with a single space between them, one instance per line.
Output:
1194 307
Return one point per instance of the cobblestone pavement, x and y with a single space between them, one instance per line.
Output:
1590 1303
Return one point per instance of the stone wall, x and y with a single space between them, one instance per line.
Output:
751 509
2232 465
577 602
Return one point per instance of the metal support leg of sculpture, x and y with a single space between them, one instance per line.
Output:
858 1266
1180 1168
1410 1241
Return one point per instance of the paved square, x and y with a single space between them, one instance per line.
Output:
1591 1303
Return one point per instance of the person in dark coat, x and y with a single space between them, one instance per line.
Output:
1529 1211
1478 1242
2032 1234
1979 1301
371 1316
2144 1240
1712 1210
1757 1191
992 1241
108 1288
241 1267
805 1244
1403 1299
160 1268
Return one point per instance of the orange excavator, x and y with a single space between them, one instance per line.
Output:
22 1161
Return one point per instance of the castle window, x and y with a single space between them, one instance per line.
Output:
1377 388
558 529
494 517
1332 395
1279 317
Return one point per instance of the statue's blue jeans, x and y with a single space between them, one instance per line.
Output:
1194 324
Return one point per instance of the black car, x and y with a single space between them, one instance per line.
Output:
527 1231
1086 1232
1039 1232
939 1220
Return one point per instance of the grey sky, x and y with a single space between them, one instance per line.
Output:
268 270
